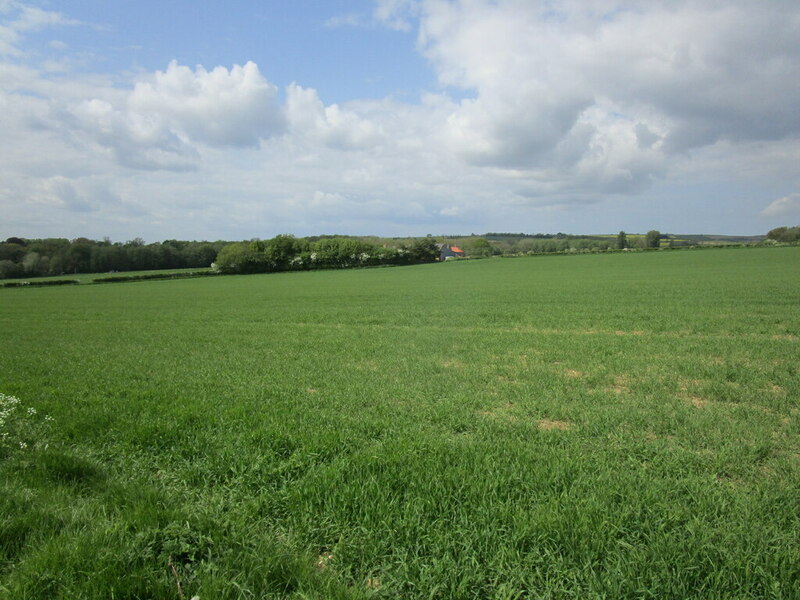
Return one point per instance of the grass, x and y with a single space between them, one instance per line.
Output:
590 426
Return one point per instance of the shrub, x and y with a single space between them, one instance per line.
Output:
44 283
149 276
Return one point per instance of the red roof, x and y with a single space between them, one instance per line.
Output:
456 249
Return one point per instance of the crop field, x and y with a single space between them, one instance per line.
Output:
589 426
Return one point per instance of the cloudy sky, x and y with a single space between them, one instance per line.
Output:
208 120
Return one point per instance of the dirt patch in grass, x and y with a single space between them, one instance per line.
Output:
368 365
573 374
453 364
687 387
500 413
787 336
620 386
550 424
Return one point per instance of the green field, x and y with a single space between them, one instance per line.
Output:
588 426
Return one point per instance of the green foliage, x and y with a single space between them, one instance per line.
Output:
785 234
241 257
56 256
589 426
622 241
424 250
21 427
40 283
477 247
287 253
150 276
652 239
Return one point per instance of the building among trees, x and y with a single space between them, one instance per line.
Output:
447 251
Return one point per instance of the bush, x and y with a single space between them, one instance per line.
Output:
41 283
242 257
150 276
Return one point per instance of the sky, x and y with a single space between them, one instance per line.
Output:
189 119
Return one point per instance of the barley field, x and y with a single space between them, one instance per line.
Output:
590 426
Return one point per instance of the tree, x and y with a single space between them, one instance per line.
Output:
785 234
280 250
622 241
10 269
478 247
241 257
424 249
652 239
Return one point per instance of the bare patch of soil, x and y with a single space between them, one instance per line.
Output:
621 385
453 364
500 413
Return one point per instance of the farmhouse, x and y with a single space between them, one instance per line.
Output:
447 251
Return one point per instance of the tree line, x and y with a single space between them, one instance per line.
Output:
785 234
25 258
288 253
58 256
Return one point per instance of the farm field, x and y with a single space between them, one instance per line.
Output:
588 426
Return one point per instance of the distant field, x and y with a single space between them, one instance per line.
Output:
587 426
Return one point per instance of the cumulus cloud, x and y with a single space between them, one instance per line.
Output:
161 122
786 206
610 92
220 107
332 125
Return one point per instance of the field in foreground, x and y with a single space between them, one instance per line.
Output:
593 426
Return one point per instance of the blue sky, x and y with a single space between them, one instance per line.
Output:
199 120
308 42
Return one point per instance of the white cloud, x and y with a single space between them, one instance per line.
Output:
786 206
397 14
167 118
563 89
25 19
217 107
347 20
332 125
